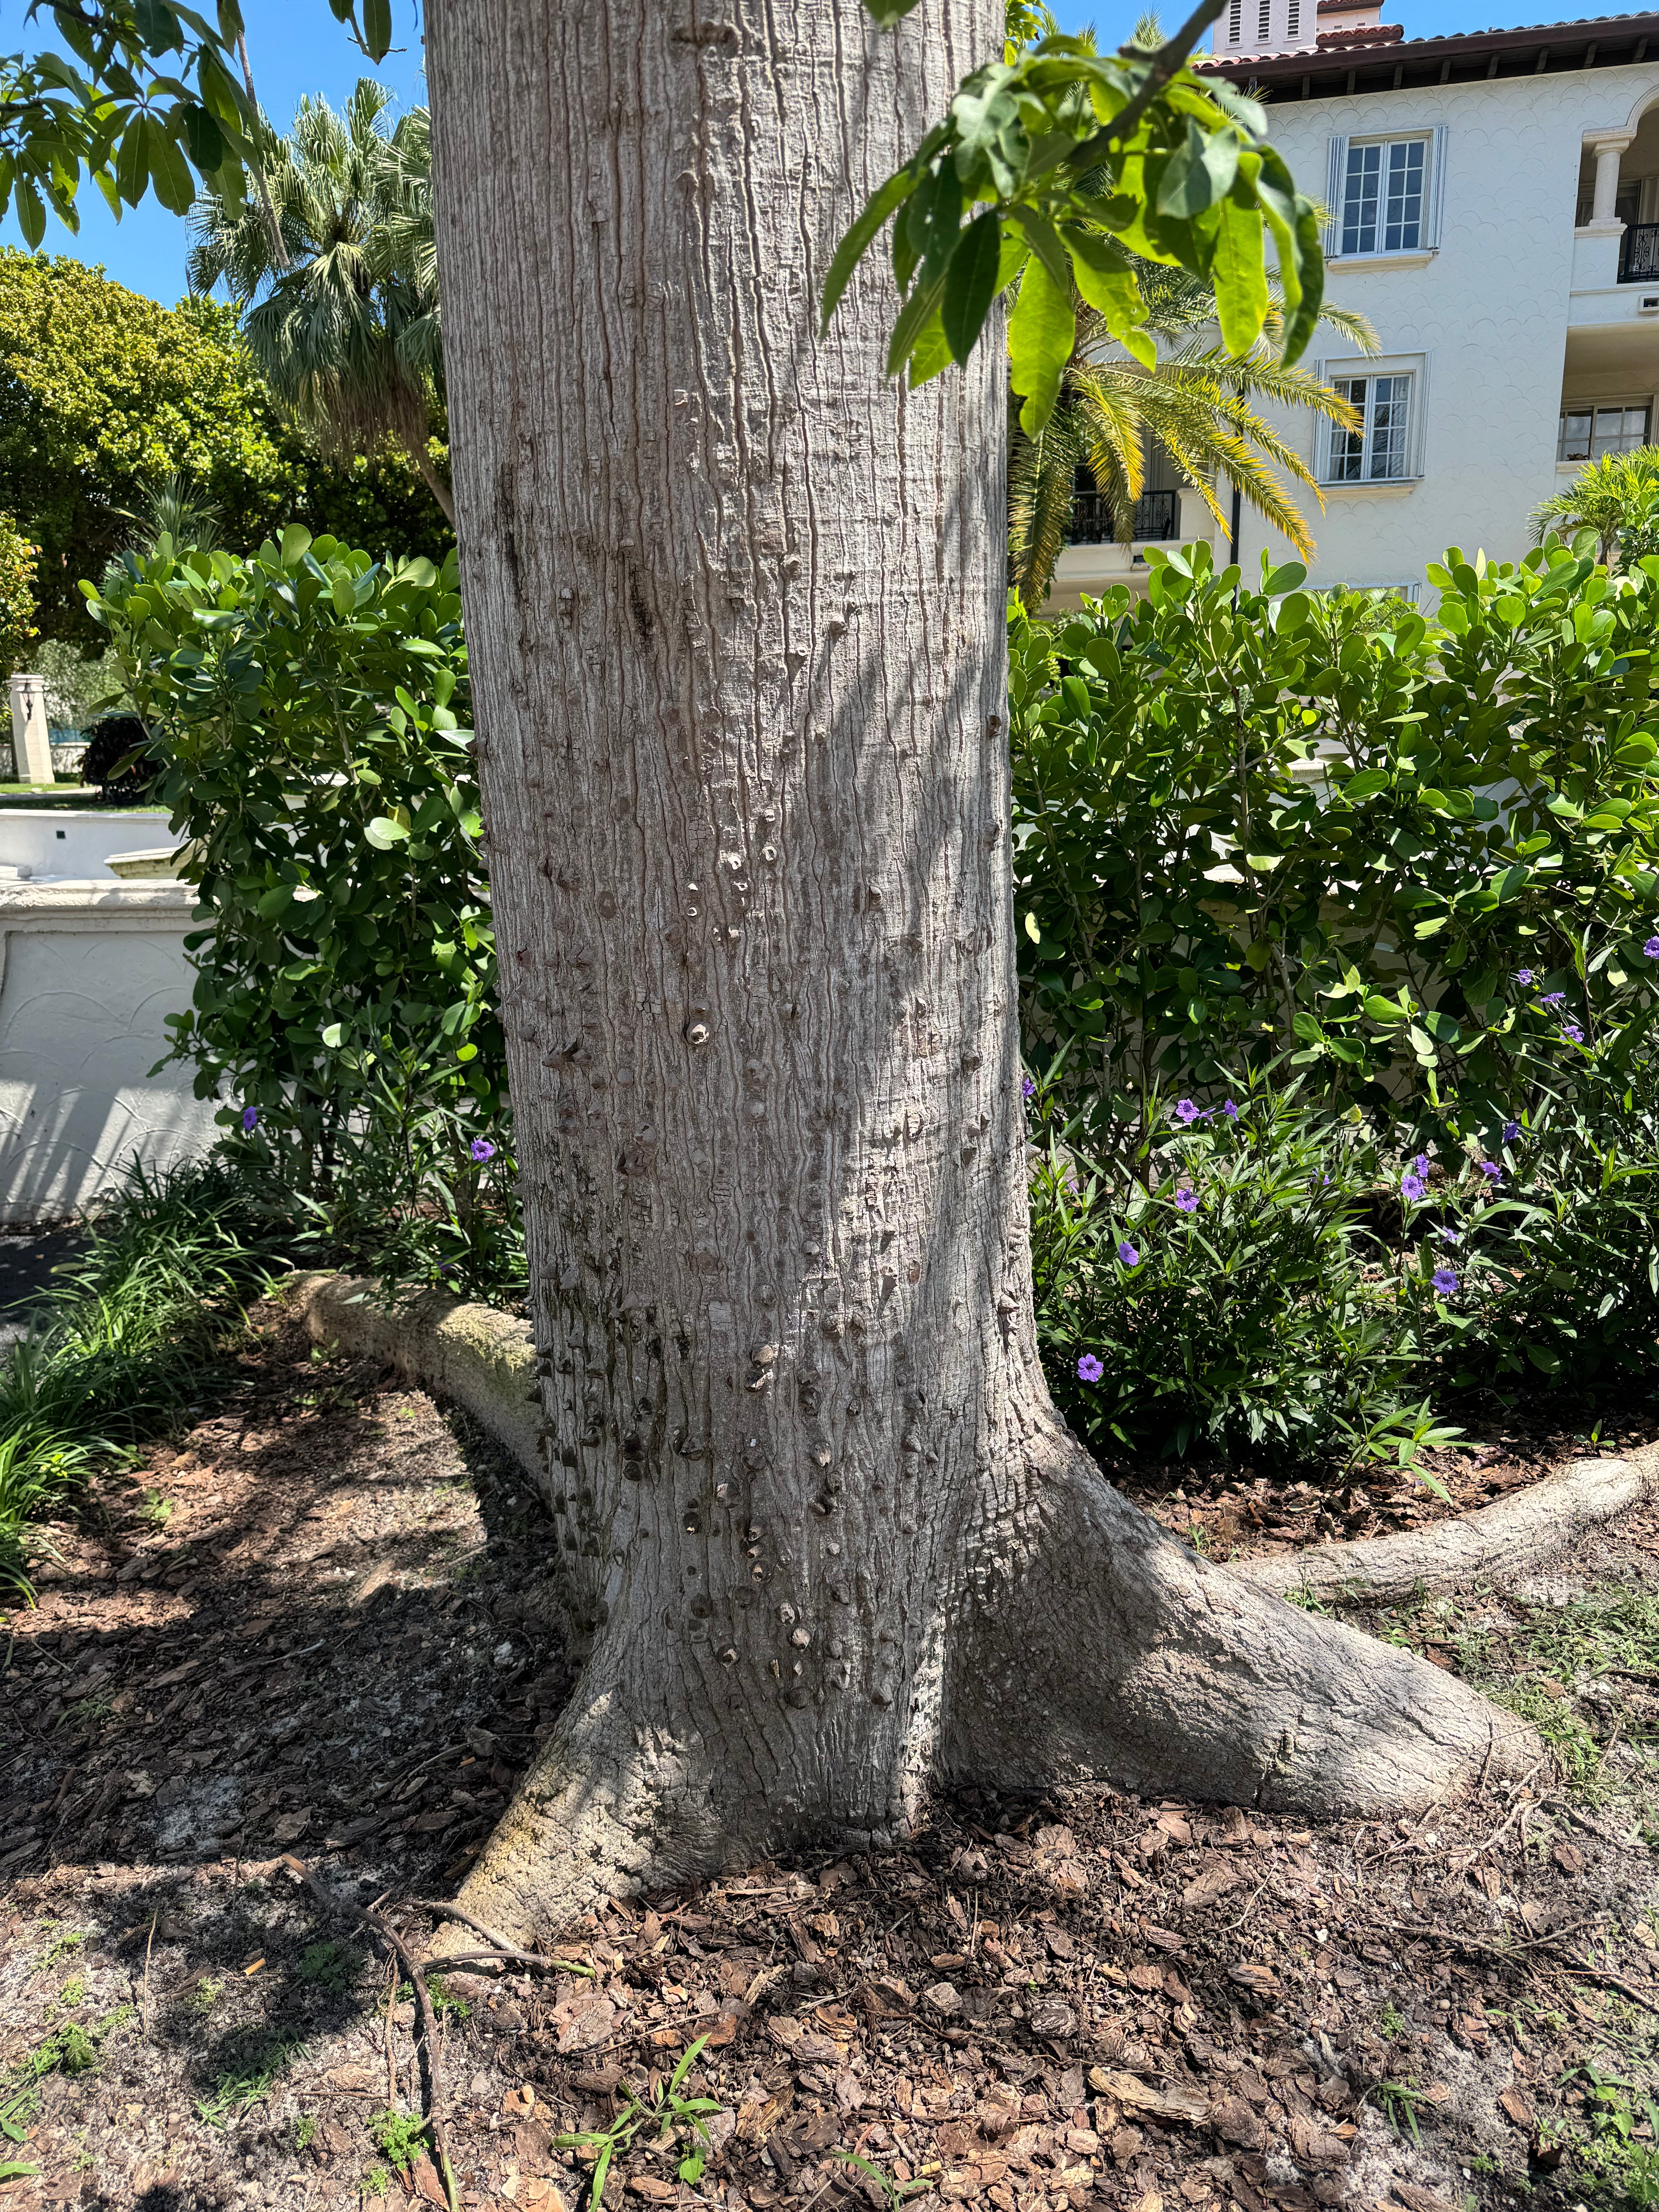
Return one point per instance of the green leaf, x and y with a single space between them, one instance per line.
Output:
384 833
377 27
889 11
204 137
333 1033
1107 280
971 283
918 311
877 208
297 544
1041 331
175 187
930 354
1239 273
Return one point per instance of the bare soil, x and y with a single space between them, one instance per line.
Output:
297 1664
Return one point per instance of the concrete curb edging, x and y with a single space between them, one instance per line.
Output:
480 1358
485 1360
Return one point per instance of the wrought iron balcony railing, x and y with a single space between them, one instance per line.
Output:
1157 516
1638 253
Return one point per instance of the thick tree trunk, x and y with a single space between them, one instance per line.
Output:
735 620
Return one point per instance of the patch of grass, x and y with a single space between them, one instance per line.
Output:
1390 2021
1398 2101
65 1941
330 1965
122 1342
377 2179
74 1991
1576 1749
155 1511
668 2112
206 1995
399 2137
260 2061
305 2131
893 2191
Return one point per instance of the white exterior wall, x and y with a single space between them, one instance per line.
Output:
89 972
54 840
1494 321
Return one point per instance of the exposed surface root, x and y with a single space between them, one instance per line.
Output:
1517 1532
1111 1648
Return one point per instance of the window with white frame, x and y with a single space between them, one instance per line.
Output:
1379 450
1385 196
1587 433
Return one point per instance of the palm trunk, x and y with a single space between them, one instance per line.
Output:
735 622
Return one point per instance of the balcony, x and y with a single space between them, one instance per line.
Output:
1156 518
1638 253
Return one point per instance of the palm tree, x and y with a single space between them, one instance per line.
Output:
1617 497
1198 404
343 320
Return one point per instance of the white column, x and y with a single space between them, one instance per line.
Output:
1607 151
31 734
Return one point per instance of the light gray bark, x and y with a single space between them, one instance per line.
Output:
735 620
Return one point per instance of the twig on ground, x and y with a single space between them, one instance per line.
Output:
492 1937
144 1998
434 2090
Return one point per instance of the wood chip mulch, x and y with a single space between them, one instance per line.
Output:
298 1664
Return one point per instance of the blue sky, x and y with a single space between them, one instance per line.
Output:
297 46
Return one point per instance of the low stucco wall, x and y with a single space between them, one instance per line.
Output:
76 843
89 972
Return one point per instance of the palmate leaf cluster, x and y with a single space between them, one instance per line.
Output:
147 97
309 706
1421 860
1056 169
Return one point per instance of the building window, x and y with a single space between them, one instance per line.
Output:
1384 196
1293 20
1377 452
1235 22
1587 433
1264 22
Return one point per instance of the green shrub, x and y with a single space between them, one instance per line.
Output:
1230 1296
308 705
1415 860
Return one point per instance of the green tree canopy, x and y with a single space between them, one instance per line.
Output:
104 394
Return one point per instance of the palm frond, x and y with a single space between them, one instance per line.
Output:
1042 480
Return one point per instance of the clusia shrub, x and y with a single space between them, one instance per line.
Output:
309 707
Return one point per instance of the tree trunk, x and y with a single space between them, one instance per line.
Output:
736 629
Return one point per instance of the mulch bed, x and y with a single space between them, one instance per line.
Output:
1232 1512
298 1664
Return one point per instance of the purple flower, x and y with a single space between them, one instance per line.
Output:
1572 1033
1413 1186
481 1149
1444 1281
1230 1111
1028 1089
1127 1254
249 1120
1186 1113
1420 1164
1089 1369
1553 998
1511 1131
1523 975
1492 1171
1651 948
1449 1236
1186 1201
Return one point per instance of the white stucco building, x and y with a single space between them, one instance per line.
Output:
1494 211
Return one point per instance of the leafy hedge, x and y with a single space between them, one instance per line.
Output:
17 565
1418 861
308 707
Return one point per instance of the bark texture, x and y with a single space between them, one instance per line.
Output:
735 621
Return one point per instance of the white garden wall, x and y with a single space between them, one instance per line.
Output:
89 972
